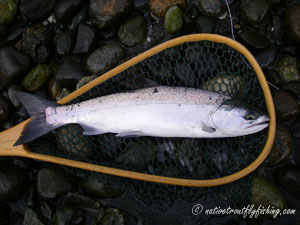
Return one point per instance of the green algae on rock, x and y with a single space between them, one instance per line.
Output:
110 216
8 10
288 68
173 20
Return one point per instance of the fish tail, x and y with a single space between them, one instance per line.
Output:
38 125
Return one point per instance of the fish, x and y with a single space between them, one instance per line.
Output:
160 111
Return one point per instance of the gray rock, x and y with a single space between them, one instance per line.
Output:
286 105
104 58
288 68
74 199
292 19
31 218
69 72
13 65
86 36
213 8
105 13
37 10
66 9
266 57
293 86
64 42
12 97
204 24
53 181
173 20
5 109
4 214
254 38
254 11
110 216
8 10
12 182
70 216
79 18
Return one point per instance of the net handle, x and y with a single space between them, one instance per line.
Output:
8 137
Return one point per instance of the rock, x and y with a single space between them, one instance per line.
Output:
105 13
36 40
204 24
74 199
273 77
46 211
13 65
4 214
265 194
69 72
288 178
64 42
292 20
132 31
254 38
159 8
100 189
66 9
31 218
53 181
5 109
110 216
173 20
282 148
12 97
288 69
104 58
37 10
54 88
84 81
213 8
86 36
37 77
12 182
108 33
140 4
266 57
68 216
254 11
227 85
79 18
81 147
64 92
286 105
293 86
8 10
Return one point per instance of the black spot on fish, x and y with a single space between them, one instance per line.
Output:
210 97
155 91
179 104
78 104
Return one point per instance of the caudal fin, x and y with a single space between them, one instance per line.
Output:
38 125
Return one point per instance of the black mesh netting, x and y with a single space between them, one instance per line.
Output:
202 64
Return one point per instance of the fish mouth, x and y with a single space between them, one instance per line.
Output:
263 122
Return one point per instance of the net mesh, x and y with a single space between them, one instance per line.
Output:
202 64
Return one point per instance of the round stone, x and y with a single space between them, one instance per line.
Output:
212 8
174 20
159 8
288 68
286 105
254 11
64 42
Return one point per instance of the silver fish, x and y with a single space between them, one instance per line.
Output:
157 111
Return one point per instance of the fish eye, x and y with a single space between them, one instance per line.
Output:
250 117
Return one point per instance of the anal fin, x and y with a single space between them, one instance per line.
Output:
131 133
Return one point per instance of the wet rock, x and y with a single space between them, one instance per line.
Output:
69 72
8 9
254 38
79 18
12 182
54 88
12 97
282 148
35 41
74 199
63 93
293 86
266 57
288 69
5 109
37 77
254 11
265 194
84 81
68 216
273 77
204 24
108 33
31 218
45 210
173 20
37 10
104 58
66 9
64 42
4 214
288 178
132 31
110 216
227 85
159 8
100 189
105 13
292 20
285 105
13 65
53 181
80 147
86 36
213 8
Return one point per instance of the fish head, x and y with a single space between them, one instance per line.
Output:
234 118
